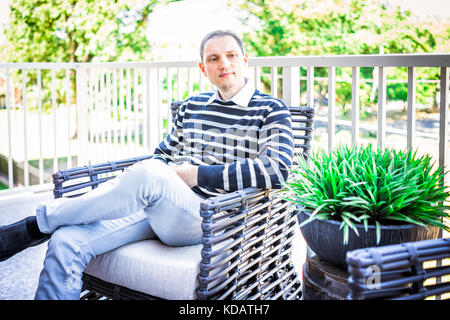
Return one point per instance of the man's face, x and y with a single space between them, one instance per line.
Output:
224 64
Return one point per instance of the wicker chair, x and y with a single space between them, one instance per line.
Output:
246 244
408 271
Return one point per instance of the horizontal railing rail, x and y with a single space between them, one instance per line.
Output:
60 115
365 60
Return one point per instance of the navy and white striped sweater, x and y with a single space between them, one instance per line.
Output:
235 146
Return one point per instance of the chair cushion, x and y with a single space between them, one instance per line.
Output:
172 275
151 267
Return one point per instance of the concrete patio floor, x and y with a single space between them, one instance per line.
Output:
19 275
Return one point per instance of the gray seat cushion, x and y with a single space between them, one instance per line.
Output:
151 267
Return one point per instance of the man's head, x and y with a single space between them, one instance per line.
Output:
224 62
217 34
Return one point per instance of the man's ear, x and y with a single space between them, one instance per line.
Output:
245 57
202 67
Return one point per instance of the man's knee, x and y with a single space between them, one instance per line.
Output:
148 171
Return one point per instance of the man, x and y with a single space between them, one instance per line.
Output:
222 141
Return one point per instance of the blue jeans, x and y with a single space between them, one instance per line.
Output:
148 200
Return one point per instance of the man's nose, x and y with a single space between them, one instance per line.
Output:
224 62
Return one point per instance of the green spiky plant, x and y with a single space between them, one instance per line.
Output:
370 187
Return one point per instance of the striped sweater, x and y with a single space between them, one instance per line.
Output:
244 142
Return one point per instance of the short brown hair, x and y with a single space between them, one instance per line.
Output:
220 33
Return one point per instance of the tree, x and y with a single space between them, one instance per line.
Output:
321 27
78 30
74 31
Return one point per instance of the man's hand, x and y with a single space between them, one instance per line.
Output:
188 173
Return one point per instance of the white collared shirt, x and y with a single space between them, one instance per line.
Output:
242 98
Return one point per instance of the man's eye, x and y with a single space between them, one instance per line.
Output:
212 59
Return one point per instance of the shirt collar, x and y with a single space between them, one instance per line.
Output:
242 98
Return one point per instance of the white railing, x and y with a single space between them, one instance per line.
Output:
61 115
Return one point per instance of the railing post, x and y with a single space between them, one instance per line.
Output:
190 82
8 107
110 119
115 107
443 140
26 177
121 112
68 107
145 110
153 106
443 120
310 86
381 136
179 97
331 107
274 82
200 80
54 111
291 86
82 111
39 103
411 118
159 124
169 100
128 111
257 77
355 104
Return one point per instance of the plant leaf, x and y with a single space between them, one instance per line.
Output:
378 231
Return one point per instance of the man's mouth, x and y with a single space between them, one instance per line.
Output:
226 75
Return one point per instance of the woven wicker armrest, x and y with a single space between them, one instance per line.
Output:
76 181
247 241
408 271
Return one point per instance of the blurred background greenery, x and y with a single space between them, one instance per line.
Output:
341 27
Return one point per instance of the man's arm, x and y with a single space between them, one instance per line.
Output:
172 144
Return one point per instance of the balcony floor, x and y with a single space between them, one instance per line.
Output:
20 274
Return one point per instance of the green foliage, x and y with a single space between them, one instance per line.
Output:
3 186
342 27
292 27
77 30
367 186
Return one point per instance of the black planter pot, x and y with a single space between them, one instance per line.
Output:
326 240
